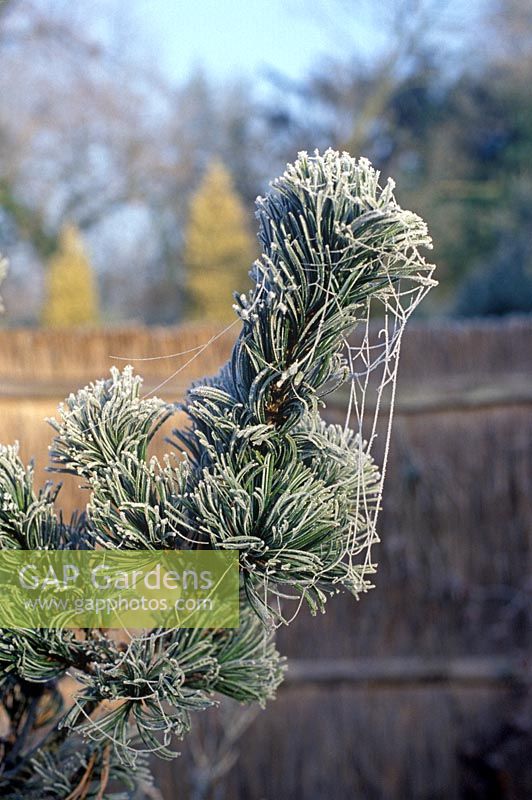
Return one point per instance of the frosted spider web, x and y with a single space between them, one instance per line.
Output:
372 354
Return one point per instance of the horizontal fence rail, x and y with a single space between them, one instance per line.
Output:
430 397
411 671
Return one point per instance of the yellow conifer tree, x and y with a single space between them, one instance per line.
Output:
71 293
219 248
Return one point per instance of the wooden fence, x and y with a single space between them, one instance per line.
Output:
420 691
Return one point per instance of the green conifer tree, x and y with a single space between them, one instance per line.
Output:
263 475
218 247
71 293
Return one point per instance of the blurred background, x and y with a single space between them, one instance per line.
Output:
134 138
130 129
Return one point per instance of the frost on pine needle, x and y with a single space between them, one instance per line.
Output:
256 471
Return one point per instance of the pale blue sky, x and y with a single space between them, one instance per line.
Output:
232 38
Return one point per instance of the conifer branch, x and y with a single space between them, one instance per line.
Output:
257 471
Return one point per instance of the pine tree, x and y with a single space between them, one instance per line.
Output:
71 297
218 247
262 474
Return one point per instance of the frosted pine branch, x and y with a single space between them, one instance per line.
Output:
256 470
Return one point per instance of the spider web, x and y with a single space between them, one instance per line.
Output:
372 354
